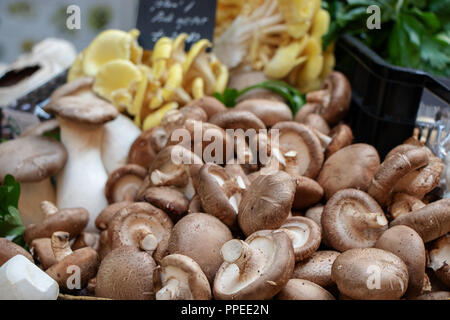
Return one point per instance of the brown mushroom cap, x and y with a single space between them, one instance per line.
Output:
141 225
9 249
182 279
200 236
193 112
392 170
318 123
430 222
351 167
237 119
315 214
168 199
297 137
352 219
41 128
72 220
141 151
269 111
255 269
195 205
405 243
219 194
404 203
43 252
334 97
243 79
209 104
103 219
124 182
267 202
304 234
75 101
86 259
305 110
307 193
317 268
370 274
31 158
341 136
301 289
127 274
440 259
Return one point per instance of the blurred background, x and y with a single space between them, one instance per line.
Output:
24 23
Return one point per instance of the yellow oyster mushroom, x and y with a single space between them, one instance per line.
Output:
154 118
286 59
198 62
320 24
298 15
198 87
174 80
114 76
178 48
140 94
76 70
161 53
222 77
122 99
107 46
311 70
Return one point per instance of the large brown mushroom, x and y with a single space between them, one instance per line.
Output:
269 111
405 243
352 219
170 200
141 151
351 167
127 273
182 279
300 139
72 220
301 289
43 252
124 182
317 268
200 236
371 274
9 249
267 202
73 268
257 268
430 222
141 225
32 160
210 105
307 193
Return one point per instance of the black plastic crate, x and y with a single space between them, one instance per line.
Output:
385 98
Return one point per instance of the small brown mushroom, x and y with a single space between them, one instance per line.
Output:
72 220
392 170
74 268
352 219
405 243
307 193
341 136
182 279
269 111
200 236
257 268
103 219
301 289
351 167
333 98
141 151
440 259
304 234
430 222
219 194
43 252
124 182
318 123
9 249
127 273
267 202
370 274
210 105
404 203
299 138
141 225
317 268
306 110
168 199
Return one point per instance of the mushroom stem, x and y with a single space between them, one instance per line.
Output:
171 291
147 241
324 139
291 162
243 256
48 208
60 245
373 220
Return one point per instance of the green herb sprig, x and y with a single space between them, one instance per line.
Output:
294 98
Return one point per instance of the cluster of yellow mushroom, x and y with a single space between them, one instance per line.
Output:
283 38
146 84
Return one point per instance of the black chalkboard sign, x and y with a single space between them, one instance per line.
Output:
157 18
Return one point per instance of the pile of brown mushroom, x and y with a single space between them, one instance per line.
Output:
323 219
